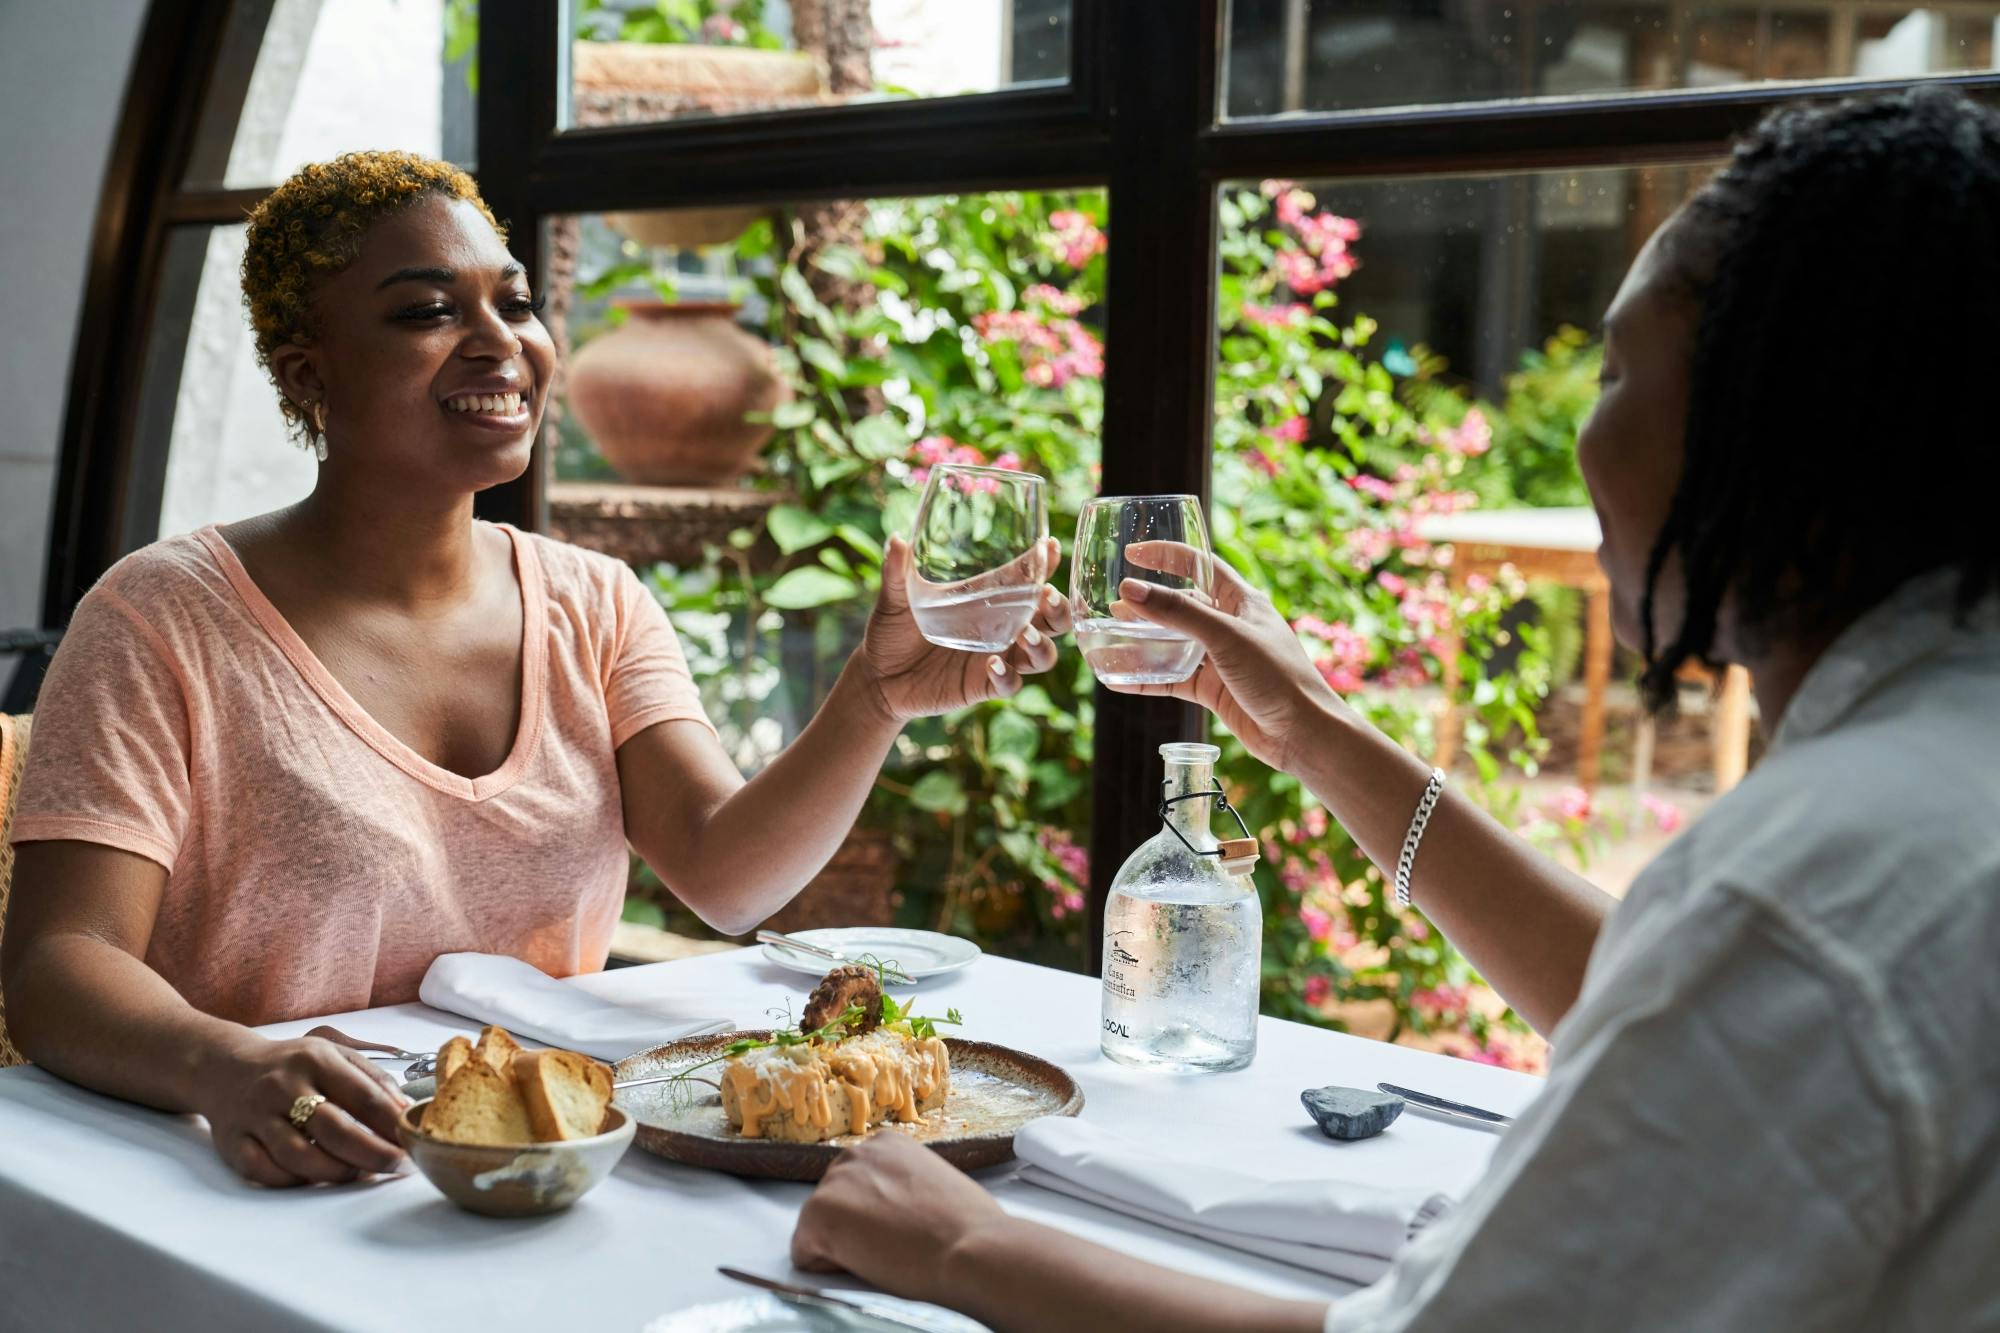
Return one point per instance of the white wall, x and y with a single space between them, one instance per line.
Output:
62 81
331 77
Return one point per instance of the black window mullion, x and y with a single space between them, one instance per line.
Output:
1612 131
1159 371
1014 139
97 504
520 72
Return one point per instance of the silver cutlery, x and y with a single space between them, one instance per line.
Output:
375 1050
812 1298
890 972
1444 1107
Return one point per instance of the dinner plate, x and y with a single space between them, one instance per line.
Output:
919 953
768 1314
994 1091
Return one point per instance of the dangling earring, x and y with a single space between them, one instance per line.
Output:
316 413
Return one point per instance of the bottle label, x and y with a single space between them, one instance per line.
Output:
1121 965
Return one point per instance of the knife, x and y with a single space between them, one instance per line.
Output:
813 1299
1460 1109
890 972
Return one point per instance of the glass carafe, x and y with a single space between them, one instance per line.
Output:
1184 936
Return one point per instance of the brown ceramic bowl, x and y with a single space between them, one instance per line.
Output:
527 1181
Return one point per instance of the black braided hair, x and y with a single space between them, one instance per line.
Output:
1841 426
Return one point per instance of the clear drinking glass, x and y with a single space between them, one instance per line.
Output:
1122 648
977 558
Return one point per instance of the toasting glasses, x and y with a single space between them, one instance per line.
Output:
1122 648
978 558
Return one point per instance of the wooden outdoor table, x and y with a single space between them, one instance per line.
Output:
1560 546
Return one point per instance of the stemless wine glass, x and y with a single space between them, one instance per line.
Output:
1122 648
977 556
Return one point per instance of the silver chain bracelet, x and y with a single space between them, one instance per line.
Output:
1432 790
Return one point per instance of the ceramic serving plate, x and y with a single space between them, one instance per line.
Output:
994 1091
918 953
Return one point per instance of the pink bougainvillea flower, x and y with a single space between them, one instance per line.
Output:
1263 462
1292 430
1053 298
720 30
935 449
1572 803
1314 822
1285 315
1318 989
1666 816
1440 1001
1319 926
1076 238
1053 352
1471 437
1374 487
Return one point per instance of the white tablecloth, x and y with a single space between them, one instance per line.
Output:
116 1217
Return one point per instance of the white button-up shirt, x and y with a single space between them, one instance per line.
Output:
1776 1103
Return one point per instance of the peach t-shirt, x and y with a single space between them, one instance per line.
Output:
316 864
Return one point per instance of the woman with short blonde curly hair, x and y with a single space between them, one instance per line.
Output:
283 764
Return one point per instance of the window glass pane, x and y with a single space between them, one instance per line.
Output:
1396 357
750 408
229 457
634 60
1342 55
328 76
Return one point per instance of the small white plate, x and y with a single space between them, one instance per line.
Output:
920 953
768 1314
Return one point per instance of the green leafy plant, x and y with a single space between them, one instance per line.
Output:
981 343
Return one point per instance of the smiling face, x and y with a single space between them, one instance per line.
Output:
1631 448
427 356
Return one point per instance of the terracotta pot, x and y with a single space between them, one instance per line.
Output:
665 395
640 81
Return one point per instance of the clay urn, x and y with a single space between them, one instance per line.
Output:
667 394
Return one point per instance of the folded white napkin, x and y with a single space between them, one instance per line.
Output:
1337 1227
494 988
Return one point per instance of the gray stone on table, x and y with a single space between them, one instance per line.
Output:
1351 1113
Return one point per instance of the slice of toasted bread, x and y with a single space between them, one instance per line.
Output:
479 1105
451 1058
497 1048
566 1094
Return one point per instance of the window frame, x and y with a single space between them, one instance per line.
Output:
1139 115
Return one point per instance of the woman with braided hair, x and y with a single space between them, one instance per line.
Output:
282 765
1775 1096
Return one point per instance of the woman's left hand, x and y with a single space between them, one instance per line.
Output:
916 678
887 1211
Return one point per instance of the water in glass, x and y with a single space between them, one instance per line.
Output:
977 561
1122 647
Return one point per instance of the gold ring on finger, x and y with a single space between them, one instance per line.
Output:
302 1110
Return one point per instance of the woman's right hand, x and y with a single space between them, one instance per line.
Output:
1255 675
247 1092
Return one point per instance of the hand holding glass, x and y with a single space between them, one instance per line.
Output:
1122 647
978 557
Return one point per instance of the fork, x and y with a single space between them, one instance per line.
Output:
421 1062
